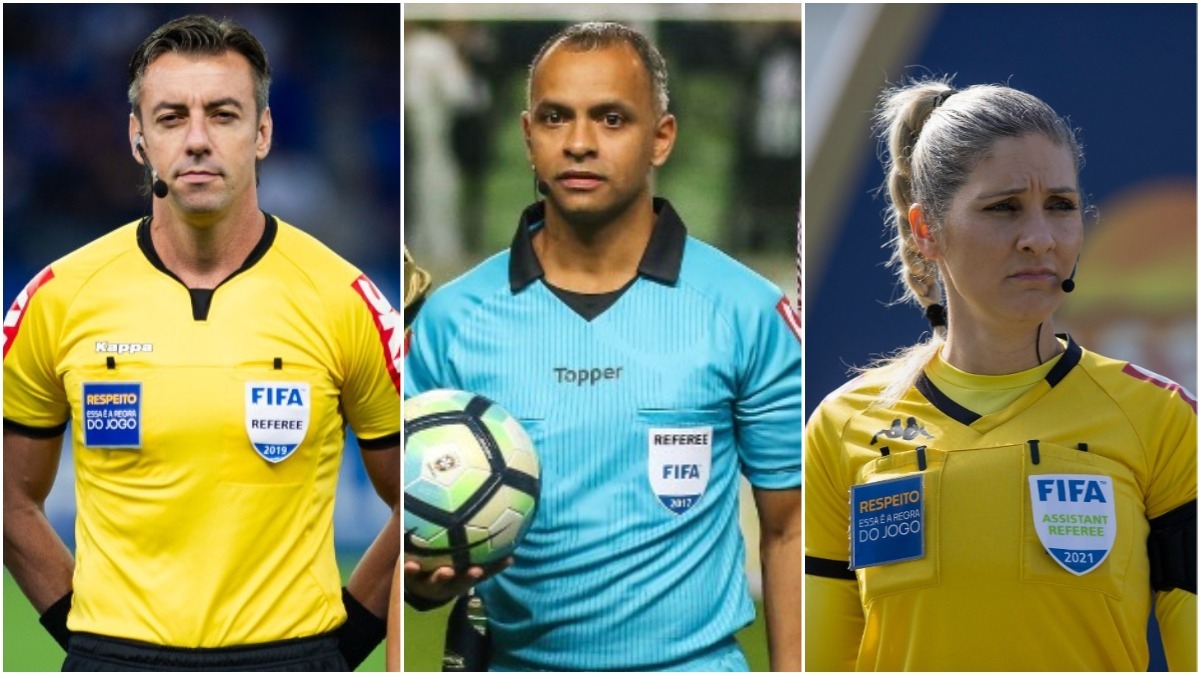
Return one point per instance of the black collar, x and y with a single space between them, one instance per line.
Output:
661 261
260 249
953 410
202 297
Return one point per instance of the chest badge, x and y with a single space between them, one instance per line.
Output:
1075 518
679 466
277 415
112 414
887 521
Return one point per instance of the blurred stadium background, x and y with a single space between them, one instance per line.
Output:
1124 74
734 175
334 170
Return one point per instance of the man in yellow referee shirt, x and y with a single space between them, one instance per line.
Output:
209 358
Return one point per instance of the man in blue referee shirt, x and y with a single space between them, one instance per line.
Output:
650 370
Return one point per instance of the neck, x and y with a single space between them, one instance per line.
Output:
204 252
999 349
593 258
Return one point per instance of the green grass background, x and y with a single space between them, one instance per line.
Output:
29 648
424 638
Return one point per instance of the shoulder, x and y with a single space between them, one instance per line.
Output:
342 293
835 412
456 300
718 276
64 277
1135 389
311 259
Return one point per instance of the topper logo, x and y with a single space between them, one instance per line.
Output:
1072 490
12 320
389 323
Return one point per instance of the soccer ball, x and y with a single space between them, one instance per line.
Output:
471 480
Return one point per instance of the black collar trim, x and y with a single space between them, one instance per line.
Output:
202 298
953 410
944 403
661 261
1069 360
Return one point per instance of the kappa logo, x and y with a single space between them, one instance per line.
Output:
389 323
911 429
12 320
104 347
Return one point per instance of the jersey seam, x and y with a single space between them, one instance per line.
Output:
78 290
311 283
452 328
1125 416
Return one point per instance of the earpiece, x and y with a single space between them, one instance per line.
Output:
158 186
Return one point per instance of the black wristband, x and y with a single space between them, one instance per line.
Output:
362 632
54 620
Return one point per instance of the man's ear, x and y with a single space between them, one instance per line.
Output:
664 140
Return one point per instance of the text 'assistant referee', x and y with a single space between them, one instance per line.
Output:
277 415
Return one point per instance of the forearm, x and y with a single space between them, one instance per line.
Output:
782 584
371 581
36 557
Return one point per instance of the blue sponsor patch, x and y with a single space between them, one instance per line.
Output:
887 521
112 414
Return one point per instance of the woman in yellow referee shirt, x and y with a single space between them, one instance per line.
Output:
996 497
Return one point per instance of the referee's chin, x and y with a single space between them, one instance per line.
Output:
583 211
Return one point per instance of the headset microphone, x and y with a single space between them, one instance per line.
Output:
159 186
1068 284
543 187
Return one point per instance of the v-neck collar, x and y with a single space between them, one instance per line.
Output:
985 423
201 298
661 261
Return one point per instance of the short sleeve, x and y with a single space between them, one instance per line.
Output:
427 350
768 411
1170 432
373 337
34 397
826 508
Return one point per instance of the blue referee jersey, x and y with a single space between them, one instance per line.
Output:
643 417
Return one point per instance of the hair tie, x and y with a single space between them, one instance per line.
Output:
936 315
941 98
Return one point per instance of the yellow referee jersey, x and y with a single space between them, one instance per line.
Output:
207 430
1008 541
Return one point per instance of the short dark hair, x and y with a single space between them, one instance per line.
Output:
598 34
198 34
